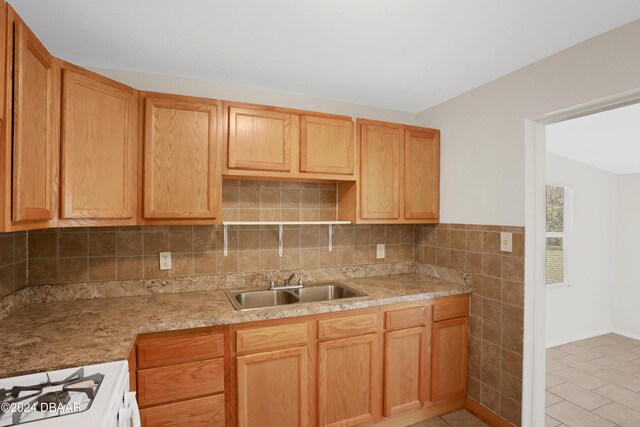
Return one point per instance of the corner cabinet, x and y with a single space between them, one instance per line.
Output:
399 176
182 175
31 138
98 150
278 143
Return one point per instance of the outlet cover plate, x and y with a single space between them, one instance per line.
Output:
165 260
506 242
380 251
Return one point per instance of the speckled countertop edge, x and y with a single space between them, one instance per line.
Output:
65 334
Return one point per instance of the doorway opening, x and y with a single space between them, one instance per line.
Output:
582 363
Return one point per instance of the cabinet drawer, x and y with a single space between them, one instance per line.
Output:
457 307
203 412
347 326
164 351
178 382
405 318
272 337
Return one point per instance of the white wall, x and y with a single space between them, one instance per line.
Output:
626 295
585 308
483 131
206 89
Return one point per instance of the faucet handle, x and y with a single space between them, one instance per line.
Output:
302 278
271 283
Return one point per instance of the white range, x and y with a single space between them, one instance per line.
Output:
95 395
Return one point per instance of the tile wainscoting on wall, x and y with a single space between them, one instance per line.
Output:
497 316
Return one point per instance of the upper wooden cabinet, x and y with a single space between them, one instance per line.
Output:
182 175
30 142
381 171
269 143
399 176
260 139
98 150
326 145
422 174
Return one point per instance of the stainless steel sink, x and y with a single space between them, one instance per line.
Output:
331 291
242 300
247 300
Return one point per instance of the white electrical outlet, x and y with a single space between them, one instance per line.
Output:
165 260
380 251
506 242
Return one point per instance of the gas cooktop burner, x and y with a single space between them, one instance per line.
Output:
26 403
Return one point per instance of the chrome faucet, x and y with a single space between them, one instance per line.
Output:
287 283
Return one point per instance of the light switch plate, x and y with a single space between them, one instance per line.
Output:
506 242
380 251
165 260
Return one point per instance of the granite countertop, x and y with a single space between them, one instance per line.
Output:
65 334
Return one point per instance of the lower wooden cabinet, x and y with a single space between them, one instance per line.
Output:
203 412
332 369
272 388
449 353
348 380
405 366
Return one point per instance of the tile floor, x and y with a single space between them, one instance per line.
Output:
459 418
594 383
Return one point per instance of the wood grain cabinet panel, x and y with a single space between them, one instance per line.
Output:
449 353
272 337
99 148
161 351
34 129
406 317
404 370
347 326
178 382
381 170
203 412
450 308
348 381
273 388
326 145
182 173
260 139
422 174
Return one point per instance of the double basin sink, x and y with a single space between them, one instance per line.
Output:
246 300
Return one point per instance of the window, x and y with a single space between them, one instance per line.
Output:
558 209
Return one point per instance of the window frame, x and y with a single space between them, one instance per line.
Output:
565 235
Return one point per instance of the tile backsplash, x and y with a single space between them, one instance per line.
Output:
13 264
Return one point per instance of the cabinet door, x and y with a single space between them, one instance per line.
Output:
98 148
259 140
326 145
272 388
450 345
422 174
34 139
404 370
348 380
181 163
381 151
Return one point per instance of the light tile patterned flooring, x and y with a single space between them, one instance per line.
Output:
459 418
594 383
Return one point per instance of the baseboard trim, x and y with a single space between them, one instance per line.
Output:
626 334
485 414
579 337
